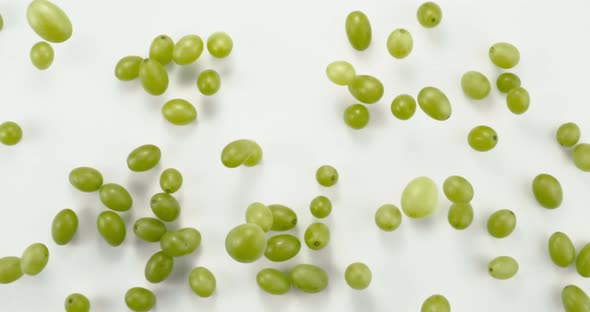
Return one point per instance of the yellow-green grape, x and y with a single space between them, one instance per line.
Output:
358 276
241 152
149 229
208 82
245 243
317 236
460 216
429 14
42 55
356 116
49 21
574 299
561 249
34 259
309 278
165 207
482 138
518 100
115 197
180 243
140 299
583 261
64 226
434 103
503 267
458 190
153 76
340 72
219 44
273 281
187 50
581 156
366 89
179 112
504 55
507 82
158 267
282 247
419 198
475 85
400 43
358 30
202 282
568 134
127 68
111 227
77 303
326 175
403 107
171 180
86 179
388 217
501 223
10 270
436 303
144 158
161 49
283 218
10 133
547 191
261 215
320 207
1 22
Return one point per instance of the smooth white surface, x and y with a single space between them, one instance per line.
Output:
274 91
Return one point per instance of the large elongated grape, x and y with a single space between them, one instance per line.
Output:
419 198
574 299
434 103
153 76
358 30
49 21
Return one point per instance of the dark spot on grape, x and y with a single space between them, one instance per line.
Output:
163 37
490 270
70 301
495 138
433 19
316 244
333 178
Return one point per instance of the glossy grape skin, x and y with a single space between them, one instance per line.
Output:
434 103
179 112
366 89
34 259
187 50
202 282
282 247
10 133
273 281
42 55
144 158
326 176
10 270
429 14
115 197
475 85
86 179
340 72
64 226
504 55
245 243
581 156
403 107
583 261
388 217
241 152
111 227
171 180
165 207
320 207
568 134
158 267
161 49
358 30
49 21
518 100
358 276
503 267
436 303
284 218
317 236
261 215
400 43
460 216
220 44
140 299
356 116
501 223
547 191
153 77
149 229
458 190
482 138
77 303
309 278
127 68
507 82
561 249
419 198
180 243
208 82
574 299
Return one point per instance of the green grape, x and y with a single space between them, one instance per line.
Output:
403 107
340 72
158 267
1 22
284 218
171 180
460 216
436 303
317 236
10 133
320 207
187 50
115 197
208 82
326 175
309 278
458 190
202 282
475 85
144 158
568 134
34 259
219 44
245 243
388 217
507 82
77 303
179 112
86 179
400 43
583 261
419 198
64 226
581 156
149 229
356 116
139 299
49 21
153 77
561 249
241 152
165 207
366 89
358 276
161 49
358 30
10 270
434 103
482 138
261 215
503 267
429 14
127 68
504 55
547 191
501 223
111 227
273 281
574 299
518 100
282 247
42 55
180 243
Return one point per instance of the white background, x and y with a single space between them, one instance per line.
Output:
274 91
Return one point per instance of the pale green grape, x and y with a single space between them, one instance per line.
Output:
171 180
34 259
49 21
317 236
581 156
518 100
358 276
340 72
1 22
400 43
326 175
111 227
358 30
574 299
436 303
568 134
179 112
583 261
144 158
309 278
153 76
547 191
241 152
115 197
245 243
127 68
356 116
429 14
42 55
419 198
320 207
284 218
403 107
458 190
504 55
86 179
434 103
388 217
140 299
460 216
10 133
149 229
161 49
165 207
503 267
64 226
273 281
158 267
187 50
507 82
202 282
208 82
180 243
366 89
561 249
475 85
482 138
219 44
501 223
10 270
282 247
77 303
261 215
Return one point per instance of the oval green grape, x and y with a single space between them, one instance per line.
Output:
568 134
220 44
460 216
245 243
149 229
111 227
419 198
10 270
356 116
366 89
165 207
208 82
115 197
518 100
358 276
583 261
34 259
400 43
10 133
259 214
434 103
436 303
327 176
77 303
273 281
42 55
140 299
127 68
202 282
547 191
158 267
241 152
144 158
187 50
171 180
180 243
309 278
507 82
503 267
458 190
161 49
581 156
153 76
403 107
358 30
284 218
482 138
179 112
340 72
501 223
504 55
475 85
388 217
574 299
320 207
561 249
86 179
317 236
64 226
49 21
429 14
282 247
